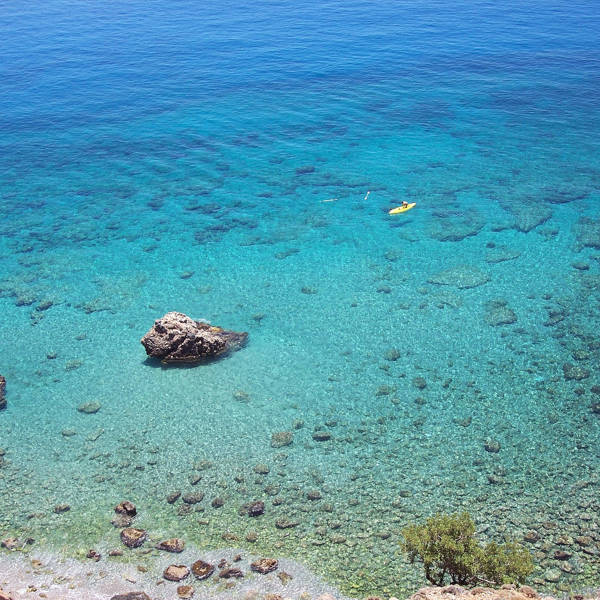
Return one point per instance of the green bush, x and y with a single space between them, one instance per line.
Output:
447 547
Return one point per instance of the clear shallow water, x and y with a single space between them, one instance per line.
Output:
143 141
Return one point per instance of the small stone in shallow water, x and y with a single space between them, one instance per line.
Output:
133 538
285 523
94 555
314 495
230 572
121 520
581 266
10 543
89 408
575 372
281 438
202 570
217 502
132 596
61 508
419 382
492 446
255 509
261 469
393 354
321 436
531 536
552 575
68 432
171 545
264 565
126 508
173 497
176 572
2 392
193 497
185 591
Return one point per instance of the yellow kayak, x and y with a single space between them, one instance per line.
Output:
401 209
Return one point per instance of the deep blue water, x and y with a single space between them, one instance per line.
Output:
237 161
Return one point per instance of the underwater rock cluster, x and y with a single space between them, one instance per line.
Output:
175 337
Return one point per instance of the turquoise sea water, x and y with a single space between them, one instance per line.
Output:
237 162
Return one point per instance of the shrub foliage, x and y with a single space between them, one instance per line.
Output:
447 547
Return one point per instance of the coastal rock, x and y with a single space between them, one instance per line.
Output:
5 596
172 545
202 570
2 392
132 596
177 338
176 572
264 565
133 538
508 592
462 277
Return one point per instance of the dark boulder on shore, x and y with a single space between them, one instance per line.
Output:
2 392
175 337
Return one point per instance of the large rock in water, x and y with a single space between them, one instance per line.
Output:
2 392
177 338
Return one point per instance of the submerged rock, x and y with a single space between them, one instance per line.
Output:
498 313
202 569
133 538
89 408
264 565
126 508
451 226
171 545
462 277
281 438
2 392
132 596
176 572
575 372
177 338
185 591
